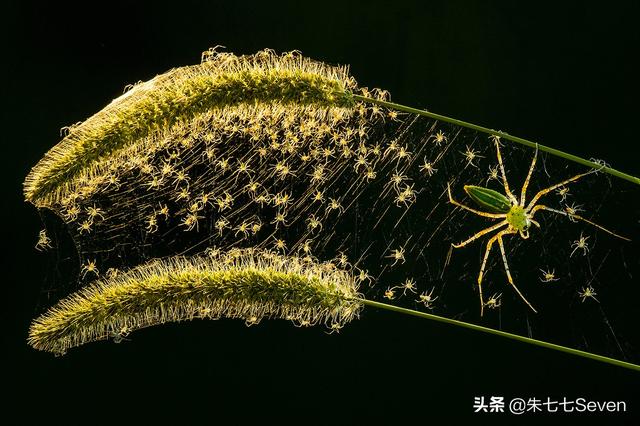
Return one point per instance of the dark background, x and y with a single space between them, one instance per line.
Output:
564 74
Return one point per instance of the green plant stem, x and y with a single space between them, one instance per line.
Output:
502 135
501 333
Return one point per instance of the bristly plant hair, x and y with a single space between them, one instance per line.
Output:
249 284
222 79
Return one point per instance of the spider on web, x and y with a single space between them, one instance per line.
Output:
515 215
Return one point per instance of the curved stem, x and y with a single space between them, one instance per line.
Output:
501 333
502 135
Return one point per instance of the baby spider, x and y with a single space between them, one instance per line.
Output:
181 177
493 174
580 243
94 212
515 216
335 328
154 183
572 210
364 276
318 174
252 187
223 164
85 227
397 256
190 221
302 323
262 199
282 199
205 199
120 335
90 266
313 223
588 292
256 227
243 229
318 196
393 115
281 218
166 169
243 167
494 301
361 162
152 223
370 174
406 196
224 203
327 153
112 272
306 246
562 192
335 205
389 293
471 155
342 261
284 171
163 210
251 320
427 299
183 194
408 284
403 153
397 179
71 213
347 152
438 139
221 224
548 276
427 168
44 242
280 244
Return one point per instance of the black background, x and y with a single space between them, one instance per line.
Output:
564 74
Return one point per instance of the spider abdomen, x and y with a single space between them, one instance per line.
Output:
488 198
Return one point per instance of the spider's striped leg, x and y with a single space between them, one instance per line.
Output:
480 234
478 212
575 216
523 194
507 191
542 192
506 265
484 264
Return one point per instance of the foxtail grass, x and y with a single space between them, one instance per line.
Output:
246 284
222 79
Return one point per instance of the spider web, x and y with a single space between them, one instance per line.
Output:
362 221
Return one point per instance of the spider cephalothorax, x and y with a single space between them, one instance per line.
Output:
515 215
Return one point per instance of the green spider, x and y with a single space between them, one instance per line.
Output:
516 216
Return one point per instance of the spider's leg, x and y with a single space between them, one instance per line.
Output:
504 176
480 234
523 194
478 212
575 247
542 192
575 216
506 266
484 264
